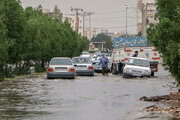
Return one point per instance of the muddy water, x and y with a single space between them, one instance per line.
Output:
85 98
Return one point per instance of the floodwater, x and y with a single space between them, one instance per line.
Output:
85 98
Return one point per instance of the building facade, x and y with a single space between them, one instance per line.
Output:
71 18
146 11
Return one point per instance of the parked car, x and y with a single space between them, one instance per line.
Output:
61 68
83 66
86 54
137 67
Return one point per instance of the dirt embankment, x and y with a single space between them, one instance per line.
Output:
173 99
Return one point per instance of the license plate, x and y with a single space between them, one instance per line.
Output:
136 74
80 68
61 70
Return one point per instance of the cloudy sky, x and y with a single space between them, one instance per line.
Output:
109 14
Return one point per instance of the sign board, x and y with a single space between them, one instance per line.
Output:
129 42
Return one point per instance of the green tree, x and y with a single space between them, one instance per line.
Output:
3 49
165 36
14 21
29 35
57 14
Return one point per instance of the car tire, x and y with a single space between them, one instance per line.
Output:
152 73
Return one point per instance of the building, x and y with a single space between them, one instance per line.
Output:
146 10
71 18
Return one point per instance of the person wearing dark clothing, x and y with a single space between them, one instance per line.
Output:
104 61
135 54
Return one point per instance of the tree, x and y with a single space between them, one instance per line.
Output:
14 21
57 14
165 36
104 38
3 49
29 35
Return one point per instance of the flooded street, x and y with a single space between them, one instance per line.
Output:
85 98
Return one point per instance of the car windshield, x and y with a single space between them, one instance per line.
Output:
61 62
138 62
81 60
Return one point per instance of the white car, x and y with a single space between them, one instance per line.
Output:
86 54
137 67
83 66
61 68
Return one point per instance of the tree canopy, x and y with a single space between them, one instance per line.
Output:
30 35
166 34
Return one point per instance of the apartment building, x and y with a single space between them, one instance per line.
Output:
71 18
146 10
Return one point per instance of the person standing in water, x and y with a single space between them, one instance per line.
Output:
104 61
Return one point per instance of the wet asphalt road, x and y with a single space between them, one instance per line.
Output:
85 98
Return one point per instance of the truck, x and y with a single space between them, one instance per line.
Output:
125 47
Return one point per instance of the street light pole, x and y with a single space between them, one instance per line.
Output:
126 19
90 29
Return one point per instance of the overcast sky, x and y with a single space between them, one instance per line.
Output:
109 14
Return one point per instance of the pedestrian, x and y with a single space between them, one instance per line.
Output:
104 61
135 54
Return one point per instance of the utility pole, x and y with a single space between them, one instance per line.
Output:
84 14
90 29
144 19
76 11
126 19
145 27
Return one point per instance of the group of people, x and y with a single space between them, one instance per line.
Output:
104 61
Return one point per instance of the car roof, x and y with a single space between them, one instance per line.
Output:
138 58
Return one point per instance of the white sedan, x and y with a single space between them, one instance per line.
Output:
61 68
83 66
137 67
